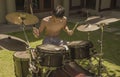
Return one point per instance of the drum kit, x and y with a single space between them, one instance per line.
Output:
50 60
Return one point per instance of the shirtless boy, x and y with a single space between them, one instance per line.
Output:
53 25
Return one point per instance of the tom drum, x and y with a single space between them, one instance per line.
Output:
80 49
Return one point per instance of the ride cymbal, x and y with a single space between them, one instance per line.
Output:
88 27
12 43
108 21
98 20
21 18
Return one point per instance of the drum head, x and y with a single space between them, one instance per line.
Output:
21 64
21 55
80 43
49 48
74 43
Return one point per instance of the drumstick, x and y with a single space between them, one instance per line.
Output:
75 26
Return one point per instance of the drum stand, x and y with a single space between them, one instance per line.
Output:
46 71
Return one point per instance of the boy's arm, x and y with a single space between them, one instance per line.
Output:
36 31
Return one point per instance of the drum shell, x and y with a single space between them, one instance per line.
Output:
21 64
81 50
51 59
50 55
71 69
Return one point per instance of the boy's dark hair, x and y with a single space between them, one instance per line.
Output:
59 11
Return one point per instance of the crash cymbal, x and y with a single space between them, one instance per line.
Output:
12 43
17 17
88 27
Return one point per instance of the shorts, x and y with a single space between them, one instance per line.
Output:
53 40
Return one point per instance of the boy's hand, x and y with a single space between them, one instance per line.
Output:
70 32
35 32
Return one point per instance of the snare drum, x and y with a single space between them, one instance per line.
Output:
51 55
80 49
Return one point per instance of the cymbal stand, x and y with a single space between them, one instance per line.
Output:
101 52
100 65
88 33
23 27
29 48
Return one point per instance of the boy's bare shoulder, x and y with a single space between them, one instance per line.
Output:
64 17
46 19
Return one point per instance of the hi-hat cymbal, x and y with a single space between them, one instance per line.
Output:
19 17
12 43
88 27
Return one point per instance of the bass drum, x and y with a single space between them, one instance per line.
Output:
21 64
59 72
71 69
75 70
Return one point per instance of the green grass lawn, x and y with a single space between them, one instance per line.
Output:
111 48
